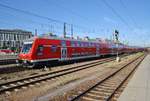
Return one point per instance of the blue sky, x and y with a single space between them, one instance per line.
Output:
92 18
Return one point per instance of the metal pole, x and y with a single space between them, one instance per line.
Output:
117 49
64 30
35 32
72 31
117 43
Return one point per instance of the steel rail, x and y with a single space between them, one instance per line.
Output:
103 80
49 75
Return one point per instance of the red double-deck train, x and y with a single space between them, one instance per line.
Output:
44 50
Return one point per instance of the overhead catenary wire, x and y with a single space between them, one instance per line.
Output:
116 13
131 17
43 17
17 26
36 24
87 30
26 20
69 10
37 15
31 13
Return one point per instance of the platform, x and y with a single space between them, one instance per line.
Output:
138 89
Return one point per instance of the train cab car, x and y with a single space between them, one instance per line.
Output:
26 52
41 50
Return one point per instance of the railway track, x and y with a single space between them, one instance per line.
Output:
8 66
7 61
4 69
105 89
9 86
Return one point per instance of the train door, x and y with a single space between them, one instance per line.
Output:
97 50
63 53
63 50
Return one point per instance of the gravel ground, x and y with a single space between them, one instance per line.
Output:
51 88
63 95
22 72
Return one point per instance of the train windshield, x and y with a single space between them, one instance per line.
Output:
26 48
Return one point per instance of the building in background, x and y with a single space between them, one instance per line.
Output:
13 38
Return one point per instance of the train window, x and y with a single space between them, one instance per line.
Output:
26 48
53 48
72 43
93 44
63 43
87 44
79 44
75 44
97 45
82 44
40 50
90 44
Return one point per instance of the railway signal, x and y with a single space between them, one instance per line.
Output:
117 36
117 44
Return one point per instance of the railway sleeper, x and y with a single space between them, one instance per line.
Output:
4 87
106 87
99 93
20 83
116 95
88 99
120 89
103 90
92 98
114 99
109 83
12 85
115 82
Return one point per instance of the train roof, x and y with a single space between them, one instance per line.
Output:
97 40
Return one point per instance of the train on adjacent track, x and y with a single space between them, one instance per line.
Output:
44 50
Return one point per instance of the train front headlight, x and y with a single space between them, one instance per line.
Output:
25 61
17 61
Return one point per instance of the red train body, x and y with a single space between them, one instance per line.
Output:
42 50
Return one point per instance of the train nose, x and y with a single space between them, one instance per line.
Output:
24 56
25 61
